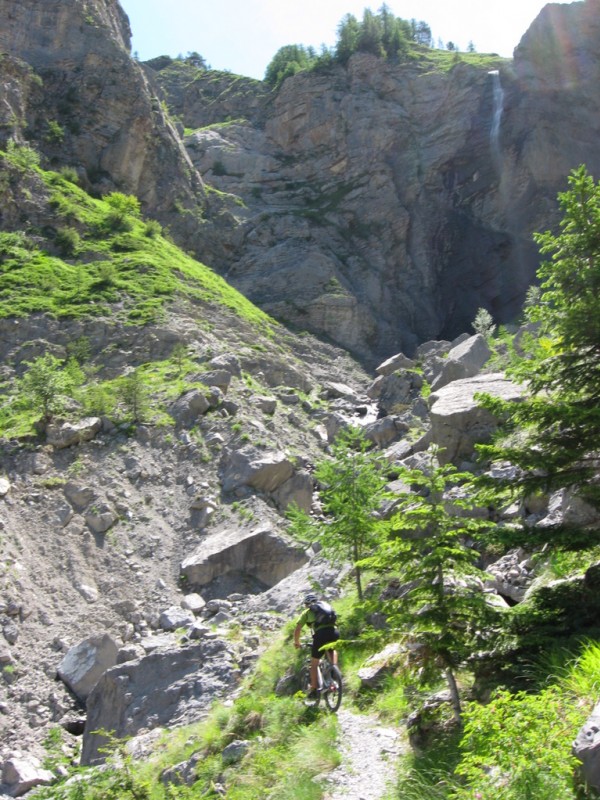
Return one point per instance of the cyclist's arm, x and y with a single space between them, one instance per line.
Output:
297 631
300 623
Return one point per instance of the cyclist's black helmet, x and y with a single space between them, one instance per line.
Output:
310 599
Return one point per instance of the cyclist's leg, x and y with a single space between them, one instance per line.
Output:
314 679
314 661
333 636
322 637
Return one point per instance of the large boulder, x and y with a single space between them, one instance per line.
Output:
164 688
66 434
398 361
566 508
259 554
221 378
398 390
265 472
85 663
79 496
384 431
458 421
297 490
379 665
187 408
19 775
176 617
100 517
464 361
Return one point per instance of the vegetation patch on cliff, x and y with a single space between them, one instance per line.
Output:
82 256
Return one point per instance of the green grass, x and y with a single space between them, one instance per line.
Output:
120 264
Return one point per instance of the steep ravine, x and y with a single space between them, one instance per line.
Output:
365 203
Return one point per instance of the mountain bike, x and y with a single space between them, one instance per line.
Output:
329 680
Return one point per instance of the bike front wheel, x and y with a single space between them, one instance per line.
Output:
310 701
333 692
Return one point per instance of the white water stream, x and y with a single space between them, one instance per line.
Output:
496 118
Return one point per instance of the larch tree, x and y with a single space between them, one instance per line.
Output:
352 487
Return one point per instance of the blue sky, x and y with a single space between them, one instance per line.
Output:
243 35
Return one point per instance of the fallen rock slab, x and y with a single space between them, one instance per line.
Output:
86 662
458 422
162 689
260 553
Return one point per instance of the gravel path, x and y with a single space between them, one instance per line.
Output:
369 752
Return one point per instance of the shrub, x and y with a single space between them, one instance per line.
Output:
22 156
122 208
68 241
517 747
69 174
484 323
152 229
55 132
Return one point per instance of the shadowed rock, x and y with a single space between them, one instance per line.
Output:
261 554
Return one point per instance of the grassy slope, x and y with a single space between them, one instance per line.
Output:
95 256
70 255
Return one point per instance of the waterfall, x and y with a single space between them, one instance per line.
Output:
497 116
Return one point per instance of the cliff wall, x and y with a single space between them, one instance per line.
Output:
378 205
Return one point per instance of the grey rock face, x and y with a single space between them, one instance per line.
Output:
163 688
433 241
377 183
85 663
259 553
457 420
114 125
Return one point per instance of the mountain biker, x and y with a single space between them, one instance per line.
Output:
322 634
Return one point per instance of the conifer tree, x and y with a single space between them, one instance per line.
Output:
441 606
554 434
348 33
352 487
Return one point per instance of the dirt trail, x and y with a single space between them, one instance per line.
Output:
369 753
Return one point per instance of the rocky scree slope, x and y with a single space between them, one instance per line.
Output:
115 547
98 518
95 535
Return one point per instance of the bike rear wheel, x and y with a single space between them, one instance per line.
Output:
333 692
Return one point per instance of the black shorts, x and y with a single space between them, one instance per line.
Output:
321 637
